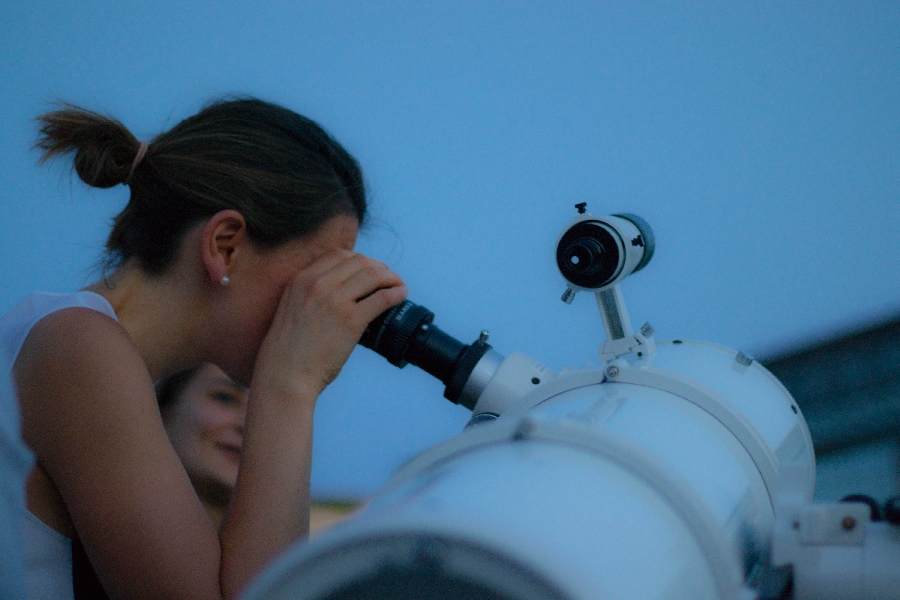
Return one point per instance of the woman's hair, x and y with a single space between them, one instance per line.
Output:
170 388
284 173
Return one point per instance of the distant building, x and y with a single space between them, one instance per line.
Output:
849 391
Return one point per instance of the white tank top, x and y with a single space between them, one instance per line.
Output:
47 553
15 463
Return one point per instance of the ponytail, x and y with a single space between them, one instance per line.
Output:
104 148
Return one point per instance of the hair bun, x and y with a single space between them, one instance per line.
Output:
104 148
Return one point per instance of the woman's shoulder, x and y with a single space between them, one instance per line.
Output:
17 324
78 366
74 341
38 304
77 336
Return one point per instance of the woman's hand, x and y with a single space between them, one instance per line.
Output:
321 317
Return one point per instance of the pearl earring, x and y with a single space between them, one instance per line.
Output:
225 280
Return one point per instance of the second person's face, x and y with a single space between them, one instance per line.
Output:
205 424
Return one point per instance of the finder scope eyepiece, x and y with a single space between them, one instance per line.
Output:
406 334
597 252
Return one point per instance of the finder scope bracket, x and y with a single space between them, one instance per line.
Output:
595 254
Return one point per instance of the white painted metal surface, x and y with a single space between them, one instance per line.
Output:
647 479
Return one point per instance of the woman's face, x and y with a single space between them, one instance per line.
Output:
256 288
205 424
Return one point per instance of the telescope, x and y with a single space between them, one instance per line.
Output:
673 470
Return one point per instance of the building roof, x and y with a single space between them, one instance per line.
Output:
848 387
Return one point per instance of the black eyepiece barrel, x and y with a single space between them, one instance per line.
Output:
436 353
406 334
392 332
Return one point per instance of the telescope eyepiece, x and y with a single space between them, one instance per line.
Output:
406 334
587 255
391 333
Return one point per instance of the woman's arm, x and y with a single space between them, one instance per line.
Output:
318 322
90 414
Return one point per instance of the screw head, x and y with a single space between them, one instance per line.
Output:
612 371
524 429
849 523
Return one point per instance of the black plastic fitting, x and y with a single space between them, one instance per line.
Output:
406 334
892 510
874 507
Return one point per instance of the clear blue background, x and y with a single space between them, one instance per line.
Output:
761 140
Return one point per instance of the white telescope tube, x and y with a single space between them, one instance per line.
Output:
647 479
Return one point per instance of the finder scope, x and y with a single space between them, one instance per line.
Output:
595 253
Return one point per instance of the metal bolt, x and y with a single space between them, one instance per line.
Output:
483 337
568 296
612 371
849 523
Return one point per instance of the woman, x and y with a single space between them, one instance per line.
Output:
203 411
235 248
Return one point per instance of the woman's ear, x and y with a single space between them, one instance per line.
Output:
223 238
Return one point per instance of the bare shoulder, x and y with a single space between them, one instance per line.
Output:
75 363
67 333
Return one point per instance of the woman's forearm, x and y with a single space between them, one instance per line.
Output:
270 506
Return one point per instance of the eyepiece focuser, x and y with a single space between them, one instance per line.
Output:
406 334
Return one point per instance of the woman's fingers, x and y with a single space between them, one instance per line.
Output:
378 302
323 313
351 280
358 275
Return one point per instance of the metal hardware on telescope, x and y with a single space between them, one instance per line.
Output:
593 253
406 334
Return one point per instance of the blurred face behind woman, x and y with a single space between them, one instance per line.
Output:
205 423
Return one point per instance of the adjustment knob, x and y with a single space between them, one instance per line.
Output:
874 508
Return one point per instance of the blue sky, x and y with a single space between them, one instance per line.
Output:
760 140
